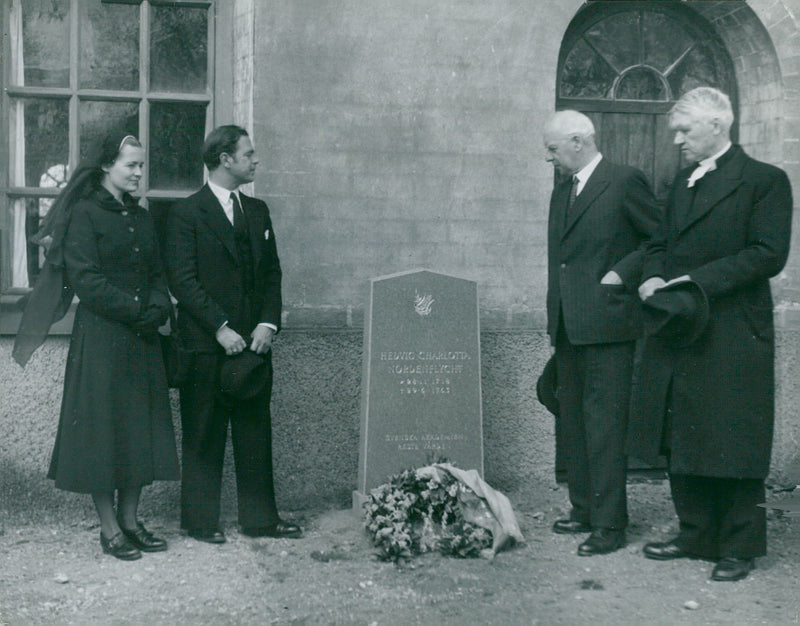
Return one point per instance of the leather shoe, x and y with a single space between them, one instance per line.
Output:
570 527
119 546
602 541
281 530
213 535
144 539
664 551
729 569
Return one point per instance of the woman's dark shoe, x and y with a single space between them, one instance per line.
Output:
119 546
730 569
143 539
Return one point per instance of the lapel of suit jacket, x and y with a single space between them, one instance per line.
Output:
216 219
256 237
714 187
596 184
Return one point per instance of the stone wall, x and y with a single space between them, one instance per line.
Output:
397 135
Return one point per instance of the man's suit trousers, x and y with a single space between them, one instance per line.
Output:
205 415
594 384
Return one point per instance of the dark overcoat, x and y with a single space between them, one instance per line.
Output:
730 234
115 428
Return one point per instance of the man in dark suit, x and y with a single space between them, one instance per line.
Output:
599 217
710 404
223 269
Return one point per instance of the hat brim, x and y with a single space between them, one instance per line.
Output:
700 317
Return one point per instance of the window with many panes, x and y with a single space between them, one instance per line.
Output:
76 69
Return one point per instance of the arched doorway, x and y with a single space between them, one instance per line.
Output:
625 63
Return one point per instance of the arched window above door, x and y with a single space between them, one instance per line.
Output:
626 51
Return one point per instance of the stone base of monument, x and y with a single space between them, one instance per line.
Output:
359 500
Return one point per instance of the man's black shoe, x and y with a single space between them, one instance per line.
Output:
212 535
570 527
664 551
281 530
602 541
730 569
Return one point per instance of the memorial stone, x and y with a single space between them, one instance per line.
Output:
421 384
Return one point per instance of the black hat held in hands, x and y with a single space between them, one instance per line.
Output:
243 375
677 313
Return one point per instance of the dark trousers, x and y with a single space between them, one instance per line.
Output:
719 517
594 383
205 414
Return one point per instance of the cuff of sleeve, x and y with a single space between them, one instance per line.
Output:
268 325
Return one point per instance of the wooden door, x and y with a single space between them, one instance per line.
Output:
625 63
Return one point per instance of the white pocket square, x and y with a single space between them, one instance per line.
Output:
266 235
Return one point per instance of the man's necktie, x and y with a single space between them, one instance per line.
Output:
238 214
573 194
573 191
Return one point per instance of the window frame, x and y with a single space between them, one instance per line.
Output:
217 97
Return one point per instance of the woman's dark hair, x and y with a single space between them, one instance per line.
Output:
222 139
86 178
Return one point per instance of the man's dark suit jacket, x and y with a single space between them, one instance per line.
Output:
205 271
611 218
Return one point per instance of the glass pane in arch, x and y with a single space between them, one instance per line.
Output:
585 74
664 40
641 83
617 39
697 69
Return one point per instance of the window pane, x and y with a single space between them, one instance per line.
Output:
98 118
697 69
27 257
40 139
617 39
179 49
109 46
585 74
664 40
641 83
44 58
176 141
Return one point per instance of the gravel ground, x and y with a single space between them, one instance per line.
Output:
56 574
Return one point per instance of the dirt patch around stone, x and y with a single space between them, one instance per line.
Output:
57 574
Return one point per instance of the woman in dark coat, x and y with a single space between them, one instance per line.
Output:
115 431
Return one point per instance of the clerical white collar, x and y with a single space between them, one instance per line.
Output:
712 160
